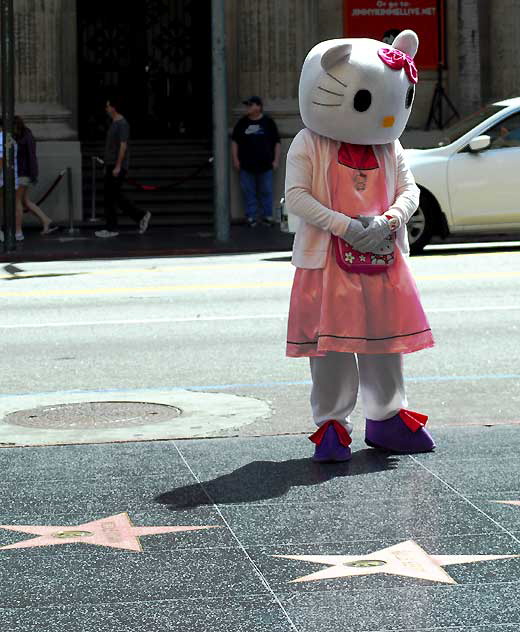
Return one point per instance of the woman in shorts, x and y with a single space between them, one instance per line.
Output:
27 175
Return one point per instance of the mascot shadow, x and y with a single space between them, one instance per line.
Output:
262 480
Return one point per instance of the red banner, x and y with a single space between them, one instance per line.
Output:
384 19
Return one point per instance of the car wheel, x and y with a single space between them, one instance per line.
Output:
420 227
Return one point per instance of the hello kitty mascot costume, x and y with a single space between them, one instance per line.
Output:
355 308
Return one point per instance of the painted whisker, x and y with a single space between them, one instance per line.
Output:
329 105
338 94
336 79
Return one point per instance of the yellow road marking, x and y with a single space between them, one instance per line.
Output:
202 287
466 275
158 288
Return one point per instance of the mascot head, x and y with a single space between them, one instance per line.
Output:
359 90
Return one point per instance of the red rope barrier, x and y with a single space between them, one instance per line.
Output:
172 185
51 188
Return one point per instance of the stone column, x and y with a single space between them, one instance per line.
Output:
267 43
272 40
42 31
46 95
470 96
504 29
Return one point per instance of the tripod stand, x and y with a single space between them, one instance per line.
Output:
436 110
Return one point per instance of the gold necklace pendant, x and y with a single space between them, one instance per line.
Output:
360 181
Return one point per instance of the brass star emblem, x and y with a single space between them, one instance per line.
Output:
406 559
116 532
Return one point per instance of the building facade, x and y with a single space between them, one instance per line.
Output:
70 54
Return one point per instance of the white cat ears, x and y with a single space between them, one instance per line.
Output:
407 42
340 52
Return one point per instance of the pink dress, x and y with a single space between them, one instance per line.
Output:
352 312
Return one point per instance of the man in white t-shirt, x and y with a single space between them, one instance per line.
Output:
2 171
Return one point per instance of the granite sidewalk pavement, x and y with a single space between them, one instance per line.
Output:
248 534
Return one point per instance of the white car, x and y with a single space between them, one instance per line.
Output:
470 182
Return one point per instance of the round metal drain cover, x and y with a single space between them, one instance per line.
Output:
93 415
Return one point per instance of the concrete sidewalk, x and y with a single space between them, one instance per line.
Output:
248 534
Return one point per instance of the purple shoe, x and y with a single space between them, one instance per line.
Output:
404 432
332 443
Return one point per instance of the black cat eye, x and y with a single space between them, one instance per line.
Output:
409 97
362 100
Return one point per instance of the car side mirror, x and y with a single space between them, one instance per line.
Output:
480 143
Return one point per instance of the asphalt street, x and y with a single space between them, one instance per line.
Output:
217 324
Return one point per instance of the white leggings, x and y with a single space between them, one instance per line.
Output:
337 377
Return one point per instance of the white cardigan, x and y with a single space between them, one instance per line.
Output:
308 196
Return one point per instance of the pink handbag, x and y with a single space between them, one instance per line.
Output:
352 260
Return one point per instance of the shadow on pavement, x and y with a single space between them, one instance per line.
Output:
261 480
284 259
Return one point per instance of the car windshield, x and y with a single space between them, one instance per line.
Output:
465 125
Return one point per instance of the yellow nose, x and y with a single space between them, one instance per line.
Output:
388 121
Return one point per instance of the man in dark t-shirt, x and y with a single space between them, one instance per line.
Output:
256 152
116 158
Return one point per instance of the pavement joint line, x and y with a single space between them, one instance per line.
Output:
257 570
250 596
467 500
195 319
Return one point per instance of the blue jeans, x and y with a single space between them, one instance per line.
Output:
258 192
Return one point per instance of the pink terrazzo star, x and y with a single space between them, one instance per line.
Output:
115 532
514 503
406 559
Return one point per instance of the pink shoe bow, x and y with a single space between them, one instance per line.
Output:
343 435
397 60
414 421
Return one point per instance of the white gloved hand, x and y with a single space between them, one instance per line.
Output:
374 235
354 232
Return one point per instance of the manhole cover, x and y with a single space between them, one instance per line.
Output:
94 415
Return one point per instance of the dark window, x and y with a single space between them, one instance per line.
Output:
506 133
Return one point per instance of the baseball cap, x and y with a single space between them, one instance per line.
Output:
254 99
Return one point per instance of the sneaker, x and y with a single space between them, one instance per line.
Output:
251 222
19 237
267 221
105 234
50 228
143 224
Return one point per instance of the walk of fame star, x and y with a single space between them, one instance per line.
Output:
116 532
407 559
514 503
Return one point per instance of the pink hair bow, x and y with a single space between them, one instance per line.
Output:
397 60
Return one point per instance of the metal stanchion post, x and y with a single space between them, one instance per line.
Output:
222 219
7 62
70 195
94 190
